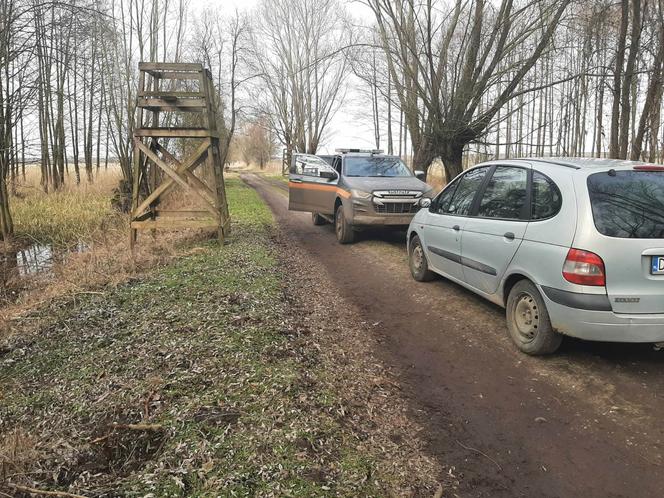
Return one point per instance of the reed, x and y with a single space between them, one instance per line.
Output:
71 215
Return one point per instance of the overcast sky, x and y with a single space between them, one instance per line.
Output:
346 129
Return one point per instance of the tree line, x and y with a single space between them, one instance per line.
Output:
452 80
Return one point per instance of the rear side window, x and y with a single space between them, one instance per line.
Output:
465 192
628 204
505 195
546 200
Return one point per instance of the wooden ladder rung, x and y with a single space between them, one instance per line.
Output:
170 95
176 133
182 213
176 75
182 105
174 223
169 66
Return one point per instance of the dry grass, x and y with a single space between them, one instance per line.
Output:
73 214
82 215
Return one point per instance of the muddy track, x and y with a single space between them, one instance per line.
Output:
585 422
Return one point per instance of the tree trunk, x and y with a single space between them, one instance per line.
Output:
451 153
6 224
614 144
390 142
629 80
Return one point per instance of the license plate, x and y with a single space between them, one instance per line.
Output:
657 265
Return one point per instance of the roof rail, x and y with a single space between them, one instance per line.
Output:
549 161
365 151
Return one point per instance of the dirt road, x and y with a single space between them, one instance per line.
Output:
585 422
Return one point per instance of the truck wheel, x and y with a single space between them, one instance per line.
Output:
318 219
417 260
528 320
343 229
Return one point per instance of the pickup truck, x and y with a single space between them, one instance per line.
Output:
356 188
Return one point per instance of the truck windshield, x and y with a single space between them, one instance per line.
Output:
375 166
628 204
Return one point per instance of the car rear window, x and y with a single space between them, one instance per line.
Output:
628 204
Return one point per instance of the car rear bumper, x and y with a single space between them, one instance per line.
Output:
603 325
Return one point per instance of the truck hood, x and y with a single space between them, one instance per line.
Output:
370 184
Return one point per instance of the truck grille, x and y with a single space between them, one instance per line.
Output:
396 208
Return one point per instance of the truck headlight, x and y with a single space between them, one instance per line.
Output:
360 194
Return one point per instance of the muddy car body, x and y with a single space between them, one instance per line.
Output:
355 189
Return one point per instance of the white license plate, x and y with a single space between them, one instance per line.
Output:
657 265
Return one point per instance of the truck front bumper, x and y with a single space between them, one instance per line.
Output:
364 212
382 219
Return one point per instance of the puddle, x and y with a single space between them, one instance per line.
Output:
30 261
34 260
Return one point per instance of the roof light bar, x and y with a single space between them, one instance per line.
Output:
364 151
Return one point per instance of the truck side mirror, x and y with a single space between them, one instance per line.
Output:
420 175
329 175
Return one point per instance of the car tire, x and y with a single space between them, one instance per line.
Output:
343 229
318 219
417 261
528 320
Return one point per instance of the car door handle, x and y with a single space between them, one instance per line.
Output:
509 235
456 228
296 180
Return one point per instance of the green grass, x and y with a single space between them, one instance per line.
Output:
275 176
206 348
248 211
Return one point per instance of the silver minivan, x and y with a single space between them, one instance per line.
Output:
568 246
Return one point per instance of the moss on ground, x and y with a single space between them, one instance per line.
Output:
192 381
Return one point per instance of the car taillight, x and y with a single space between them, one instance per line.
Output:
584 268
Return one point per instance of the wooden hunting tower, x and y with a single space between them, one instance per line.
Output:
156 171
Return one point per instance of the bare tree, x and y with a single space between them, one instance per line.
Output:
298 53
457 67
257 143
12 36
651 112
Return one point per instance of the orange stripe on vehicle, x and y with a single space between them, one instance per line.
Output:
315 186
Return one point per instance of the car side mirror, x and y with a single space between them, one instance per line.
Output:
420 175
328 175
425 202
